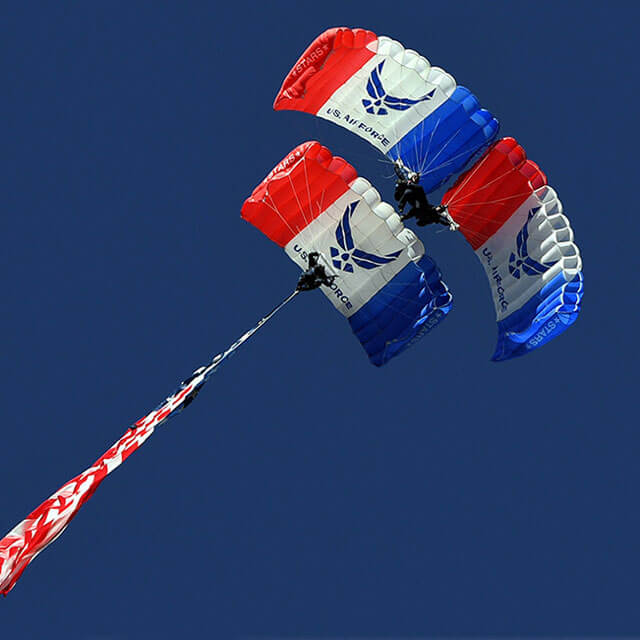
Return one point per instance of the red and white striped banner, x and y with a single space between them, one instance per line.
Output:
43 525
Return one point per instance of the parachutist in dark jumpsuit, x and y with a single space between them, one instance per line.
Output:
315 275
408 191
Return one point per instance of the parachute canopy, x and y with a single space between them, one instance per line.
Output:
514 222
391 293
393 98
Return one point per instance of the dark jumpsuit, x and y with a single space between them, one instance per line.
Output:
413 194
315 275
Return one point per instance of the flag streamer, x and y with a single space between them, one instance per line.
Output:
43 525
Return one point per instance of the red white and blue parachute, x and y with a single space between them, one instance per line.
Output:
393 98
391 293
514 222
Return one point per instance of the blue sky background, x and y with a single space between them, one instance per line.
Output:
305 492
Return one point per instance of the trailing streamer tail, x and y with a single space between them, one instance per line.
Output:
43 525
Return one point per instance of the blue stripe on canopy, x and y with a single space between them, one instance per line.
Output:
553 309
403 311
444 142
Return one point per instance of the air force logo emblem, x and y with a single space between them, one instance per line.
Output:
520 262
347 254
381 102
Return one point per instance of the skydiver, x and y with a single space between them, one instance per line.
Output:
315 275
409 191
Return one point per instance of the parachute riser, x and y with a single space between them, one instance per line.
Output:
446 216
401 170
